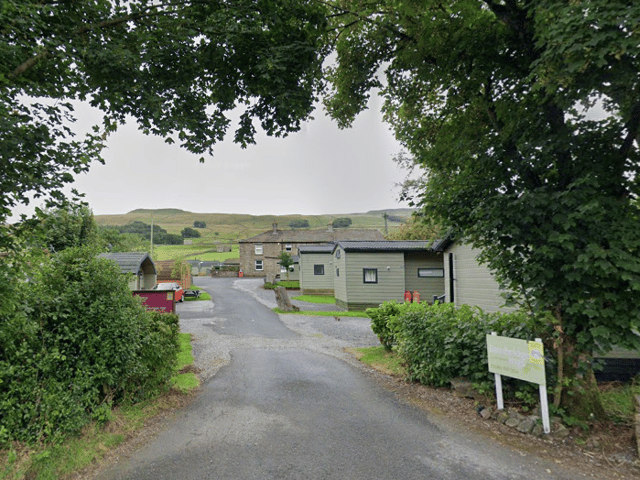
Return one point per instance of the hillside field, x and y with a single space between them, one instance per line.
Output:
229 228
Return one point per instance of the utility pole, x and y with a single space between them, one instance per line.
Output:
151 236
386 227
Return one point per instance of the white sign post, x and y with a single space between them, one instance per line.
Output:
519 359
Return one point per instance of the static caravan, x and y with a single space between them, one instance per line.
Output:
468 282
316 269
367 273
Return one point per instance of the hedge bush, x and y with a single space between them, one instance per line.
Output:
79 343
381 321
440 342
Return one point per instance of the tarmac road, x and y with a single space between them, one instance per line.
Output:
281 401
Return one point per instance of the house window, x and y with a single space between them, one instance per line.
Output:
318 269
258 264
338 253
337 272
259 249
430 272
288 247
370 275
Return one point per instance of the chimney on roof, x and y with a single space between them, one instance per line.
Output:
330 227
275 228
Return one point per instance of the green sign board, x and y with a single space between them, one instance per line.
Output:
516 358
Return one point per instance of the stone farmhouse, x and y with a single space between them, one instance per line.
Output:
259 254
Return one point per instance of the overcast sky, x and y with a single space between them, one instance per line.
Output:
319 170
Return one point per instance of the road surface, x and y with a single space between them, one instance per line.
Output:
280 400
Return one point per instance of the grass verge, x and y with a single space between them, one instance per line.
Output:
311 313
618 400
380 358
289 285
203 295
316 299
95 441
184 381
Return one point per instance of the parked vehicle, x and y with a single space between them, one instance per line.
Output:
179 292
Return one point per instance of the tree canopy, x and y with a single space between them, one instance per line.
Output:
299 223
188 232
342 222
495 100
178 68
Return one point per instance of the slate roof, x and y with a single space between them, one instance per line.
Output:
323 248
129 262
443 244
385 246
315 236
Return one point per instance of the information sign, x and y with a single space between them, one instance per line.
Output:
519 359
516 358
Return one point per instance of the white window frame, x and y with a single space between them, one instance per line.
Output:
288 247
259 265
430 272
259 249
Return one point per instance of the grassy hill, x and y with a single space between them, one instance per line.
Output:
230 227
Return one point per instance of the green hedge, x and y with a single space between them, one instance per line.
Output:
381 321
79 344
440 342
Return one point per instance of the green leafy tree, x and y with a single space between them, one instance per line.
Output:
302 223
188 232
494 99
169 239
111 240
69 226
178 68
180 270
143 229
199 224
416 228
285 261
342 222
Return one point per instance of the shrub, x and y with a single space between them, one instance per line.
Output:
381 322
80 341
440 342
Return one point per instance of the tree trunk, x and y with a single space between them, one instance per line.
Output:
576 389
284 304
580 396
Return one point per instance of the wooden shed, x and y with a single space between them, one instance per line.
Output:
139 264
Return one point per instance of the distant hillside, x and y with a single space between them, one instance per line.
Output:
229 227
